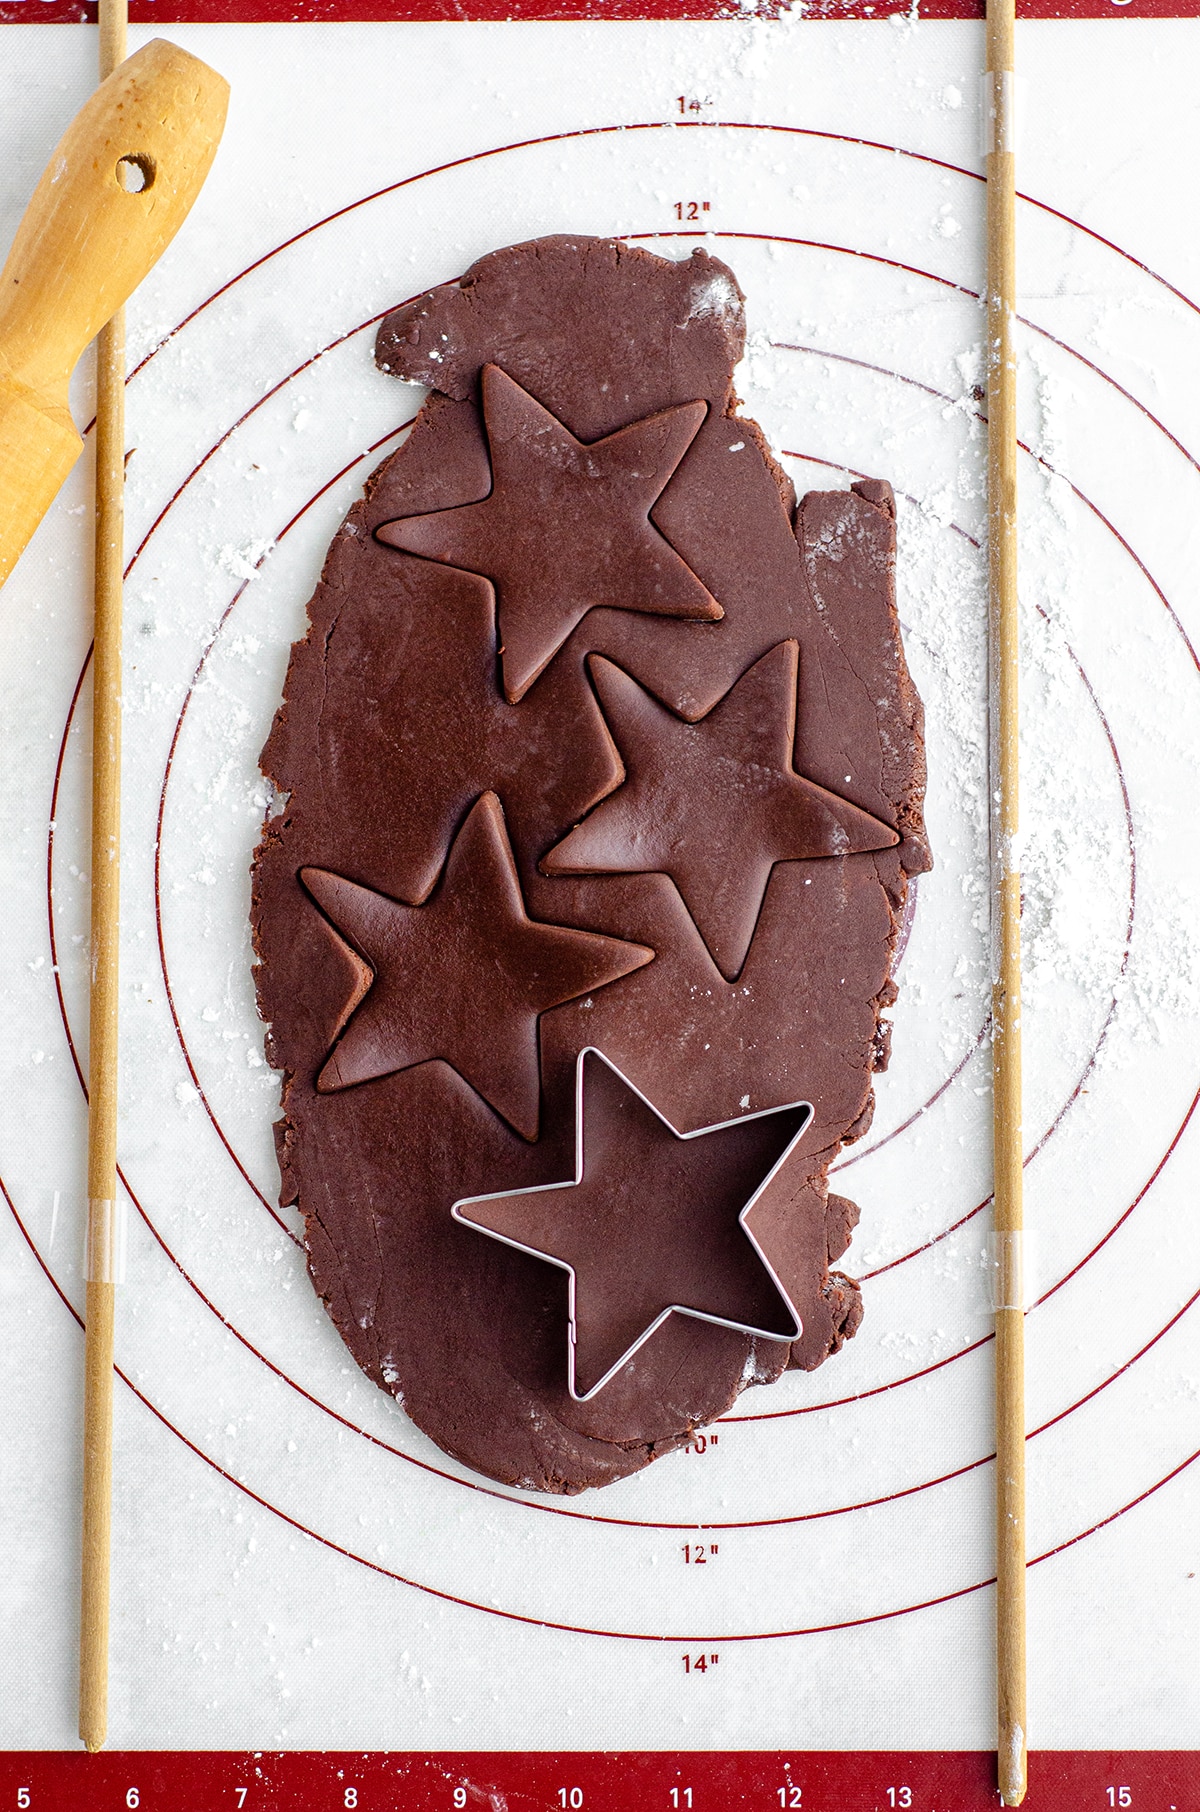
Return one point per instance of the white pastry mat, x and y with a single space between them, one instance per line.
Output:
294 1564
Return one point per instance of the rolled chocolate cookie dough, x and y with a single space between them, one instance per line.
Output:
595 739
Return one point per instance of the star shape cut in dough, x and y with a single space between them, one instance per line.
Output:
654 1223
463 977
566 528
714 804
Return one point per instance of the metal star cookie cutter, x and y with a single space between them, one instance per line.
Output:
743 1327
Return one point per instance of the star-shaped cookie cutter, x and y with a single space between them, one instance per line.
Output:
466 1202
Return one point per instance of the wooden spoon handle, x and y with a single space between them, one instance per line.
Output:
85 243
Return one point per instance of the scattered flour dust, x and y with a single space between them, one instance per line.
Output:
715 296
759 367
244 562
1075 845
766 31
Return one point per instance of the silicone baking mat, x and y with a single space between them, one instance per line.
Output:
296 1567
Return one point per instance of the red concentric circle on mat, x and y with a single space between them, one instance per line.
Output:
242 1171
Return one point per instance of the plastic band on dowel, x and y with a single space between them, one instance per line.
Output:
997 112
1008 1271
105 1257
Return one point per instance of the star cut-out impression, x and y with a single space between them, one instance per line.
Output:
463 977
566 528
713 804
655 1223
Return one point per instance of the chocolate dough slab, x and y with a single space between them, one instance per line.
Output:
395 724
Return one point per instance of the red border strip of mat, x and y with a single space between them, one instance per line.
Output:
258 12
709 1781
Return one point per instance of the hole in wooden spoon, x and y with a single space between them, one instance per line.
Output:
135 172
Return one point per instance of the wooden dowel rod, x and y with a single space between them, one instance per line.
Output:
97 1515
102 1052
114 33
1012 1724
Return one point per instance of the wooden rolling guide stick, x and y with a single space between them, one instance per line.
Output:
1012 1727
116 191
